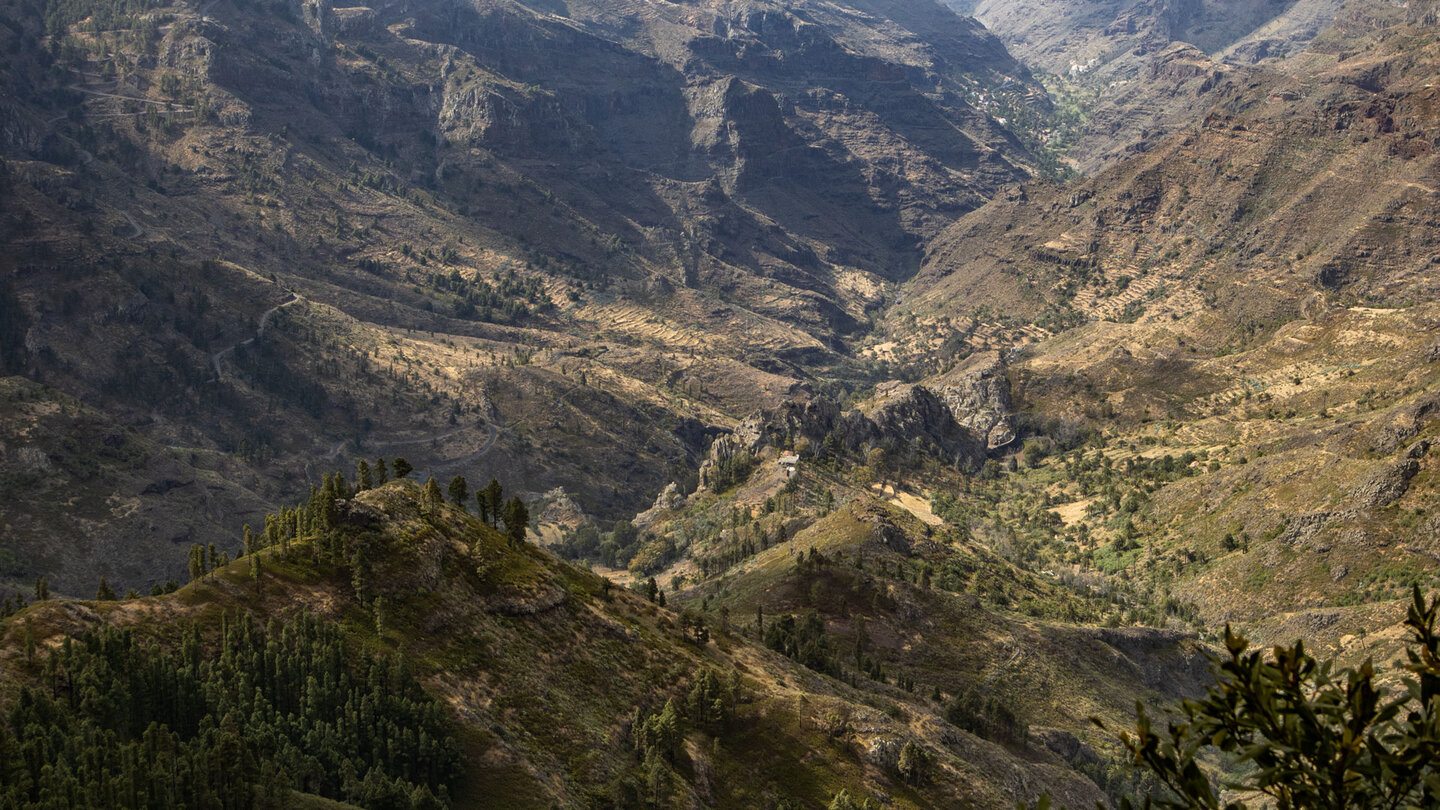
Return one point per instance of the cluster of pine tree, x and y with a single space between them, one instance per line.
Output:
313 519
805 641
118 723
508 299
990 714
657 737
745 541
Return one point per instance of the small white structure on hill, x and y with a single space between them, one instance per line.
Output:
789 461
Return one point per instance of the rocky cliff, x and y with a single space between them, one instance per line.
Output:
957 422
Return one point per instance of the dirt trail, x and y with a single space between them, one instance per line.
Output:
139 231
485 448
172 106
259 333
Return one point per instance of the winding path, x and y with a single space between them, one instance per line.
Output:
139 231
489 442
170 106
259 333
475 456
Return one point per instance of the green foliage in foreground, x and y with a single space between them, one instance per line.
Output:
1301 735
118 723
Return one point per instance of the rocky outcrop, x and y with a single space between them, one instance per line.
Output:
1386 486
1303 528
558 507
978 395
904 418
914 417
1406 424
1169 661
668 499
887 534
1065 745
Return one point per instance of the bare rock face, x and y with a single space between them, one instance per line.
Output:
911 414
560 508
885 533
905 418
1169 661
1065 745
1386 486
978 395
1406 424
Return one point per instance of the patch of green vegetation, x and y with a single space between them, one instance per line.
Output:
164 726
1258 577
1117 556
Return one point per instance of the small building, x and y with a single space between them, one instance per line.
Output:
789 461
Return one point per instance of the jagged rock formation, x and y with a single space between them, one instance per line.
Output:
902 418
913 416
1386 486
557 507
978 394
670 497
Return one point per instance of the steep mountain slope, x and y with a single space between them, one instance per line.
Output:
549 674
1254 352
1129 73
294 233
1062 37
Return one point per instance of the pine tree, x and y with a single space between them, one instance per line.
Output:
382 474
42 589
402 467
362 475
432 493
459 492
482 504
914 763
517 520
105 592
196 562
862 640
493 495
